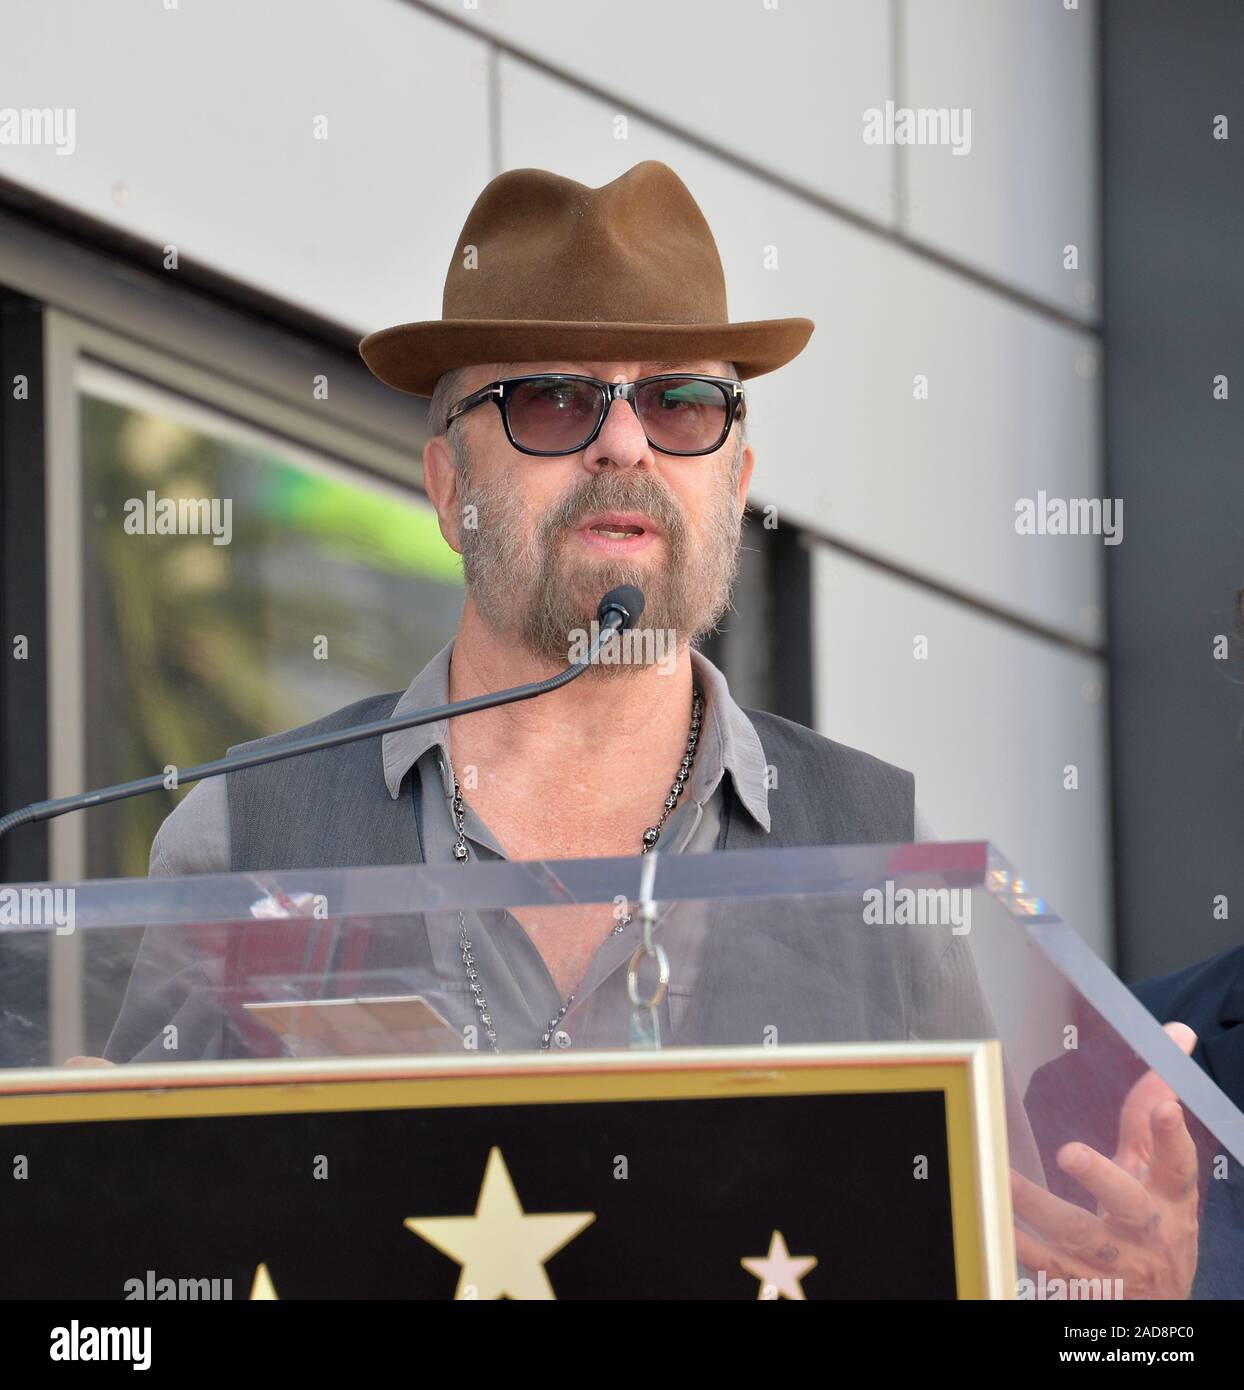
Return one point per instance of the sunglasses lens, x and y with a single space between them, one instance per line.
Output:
553 416
682 415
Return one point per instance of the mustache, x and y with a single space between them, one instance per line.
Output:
608 492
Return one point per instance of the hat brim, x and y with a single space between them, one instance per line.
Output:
414 356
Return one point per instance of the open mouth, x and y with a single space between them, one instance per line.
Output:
618 533
619 526
615 530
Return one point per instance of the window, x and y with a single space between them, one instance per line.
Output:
234 584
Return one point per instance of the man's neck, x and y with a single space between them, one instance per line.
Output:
628 707
596 755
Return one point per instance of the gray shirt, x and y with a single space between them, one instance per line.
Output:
194 838
521 994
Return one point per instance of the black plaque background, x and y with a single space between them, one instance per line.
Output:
709 1180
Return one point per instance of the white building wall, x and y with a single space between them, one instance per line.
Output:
195 126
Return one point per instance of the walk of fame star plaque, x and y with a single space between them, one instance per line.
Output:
835 1171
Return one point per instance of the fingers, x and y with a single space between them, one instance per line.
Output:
1145 1228
1182 1035
1135 1133
1123 1197
1036 1254
1076 1233
1173 1164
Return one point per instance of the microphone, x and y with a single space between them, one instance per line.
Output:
627 600
616 612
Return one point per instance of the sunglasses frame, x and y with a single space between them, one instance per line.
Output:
610 391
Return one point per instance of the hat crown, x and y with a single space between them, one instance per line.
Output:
537 246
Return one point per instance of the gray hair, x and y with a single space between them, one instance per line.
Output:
447 391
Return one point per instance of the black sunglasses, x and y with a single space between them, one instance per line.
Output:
557 413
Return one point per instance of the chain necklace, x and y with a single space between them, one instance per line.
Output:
650 837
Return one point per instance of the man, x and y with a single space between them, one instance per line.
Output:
554 491
587 431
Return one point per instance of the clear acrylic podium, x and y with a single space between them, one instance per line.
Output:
769 955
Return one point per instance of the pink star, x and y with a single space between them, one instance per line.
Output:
779 1272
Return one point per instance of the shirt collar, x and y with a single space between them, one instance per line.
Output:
728 739
400 751
739 750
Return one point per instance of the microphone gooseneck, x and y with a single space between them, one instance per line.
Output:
617 611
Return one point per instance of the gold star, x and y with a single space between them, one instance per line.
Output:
779 1271
501 1248
262 1287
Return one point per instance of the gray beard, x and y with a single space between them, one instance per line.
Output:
530 587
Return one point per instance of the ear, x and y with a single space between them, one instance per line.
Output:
745 475
440 481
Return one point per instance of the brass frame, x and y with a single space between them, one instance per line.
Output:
968 1075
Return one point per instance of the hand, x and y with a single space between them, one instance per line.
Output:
87 1062
1145 1229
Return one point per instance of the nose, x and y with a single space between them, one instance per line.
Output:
621 442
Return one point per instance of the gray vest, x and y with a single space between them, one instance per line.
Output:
333 810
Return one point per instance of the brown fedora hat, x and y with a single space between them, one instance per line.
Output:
548 269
